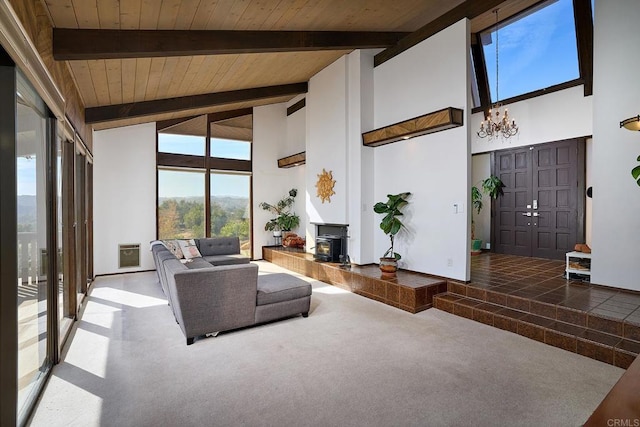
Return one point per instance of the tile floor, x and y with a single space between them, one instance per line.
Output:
542 280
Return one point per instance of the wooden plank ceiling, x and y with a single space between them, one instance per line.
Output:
116 81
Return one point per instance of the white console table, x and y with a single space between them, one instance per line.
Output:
578 256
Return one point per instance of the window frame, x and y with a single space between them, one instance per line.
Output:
206 163
583 22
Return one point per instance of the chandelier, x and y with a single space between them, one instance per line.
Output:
500 125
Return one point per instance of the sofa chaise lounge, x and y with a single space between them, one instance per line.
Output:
222 290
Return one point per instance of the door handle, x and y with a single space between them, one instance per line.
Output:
528 214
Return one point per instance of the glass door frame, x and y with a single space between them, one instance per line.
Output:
68 240
10 414
8 244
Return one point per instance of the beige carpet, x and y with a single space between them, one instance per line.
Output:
353 362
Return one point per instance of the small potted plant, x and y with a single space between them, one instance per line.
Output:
285 220
492 186
391 225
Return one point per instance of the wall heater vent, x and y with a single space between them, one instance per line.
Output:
129 255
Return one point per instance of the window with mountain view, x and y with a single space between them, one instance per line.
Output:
185 199
230 210
180 204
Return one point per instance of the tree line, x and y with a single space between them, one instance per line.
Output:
184 219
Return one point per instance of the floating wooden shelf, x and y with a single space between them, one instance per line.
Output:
294 160
429 123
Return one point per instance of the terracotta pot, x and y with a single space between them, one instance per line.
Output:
388 267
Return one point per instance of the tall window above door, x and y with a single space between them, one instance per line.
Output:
537 49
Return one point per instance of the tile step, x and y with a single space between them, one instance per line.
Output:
614 349
597 321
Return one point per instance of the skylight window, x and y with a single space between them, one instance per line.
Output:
537 49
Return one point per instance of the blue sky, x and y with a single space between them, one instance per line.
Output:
191 184
186 144
535 52
26 176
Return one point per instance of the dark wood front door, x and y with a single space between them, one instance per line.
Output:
541 211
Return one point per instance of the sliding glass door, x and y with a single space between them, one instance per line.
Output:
45 240
32 142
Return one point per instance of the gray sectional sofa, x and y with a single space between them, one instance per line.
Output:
222 290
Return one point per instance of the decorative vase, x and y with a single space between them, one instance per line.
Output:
388 267
277 233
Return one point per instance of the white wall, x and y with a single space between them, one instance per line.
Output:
368 218
339 103
274 139
553 117
360 164
296 143
124 194
326 107
435 168
616 201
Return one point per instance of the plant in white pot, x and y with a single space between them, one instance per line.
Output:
391 225
492 186
284 220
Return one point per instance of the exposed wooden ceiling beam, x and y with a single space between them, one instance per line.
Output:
469 9
86 44
146 108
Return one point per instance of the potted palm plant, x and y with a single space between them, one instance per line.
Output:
492 186
391 225
284 219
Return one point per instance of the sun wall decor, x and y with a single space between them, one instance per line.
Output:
325 185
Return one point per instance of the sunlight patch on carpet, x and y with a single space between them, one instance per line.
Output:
130 299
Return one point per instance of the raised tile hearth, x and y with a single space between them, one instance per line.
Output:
409 291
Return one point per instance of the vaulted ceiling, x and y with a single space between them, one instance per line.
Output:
155 75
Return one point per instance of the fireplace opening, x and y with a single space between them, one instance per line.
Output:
331 242
328 248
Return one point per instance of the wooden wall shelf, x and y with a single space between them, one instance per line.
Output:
429 123
293 160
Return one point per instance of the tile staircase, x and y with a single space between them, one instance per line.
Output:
527 296
583 324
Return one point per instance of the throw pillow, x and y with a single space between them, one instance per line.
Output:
189 248
174 247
